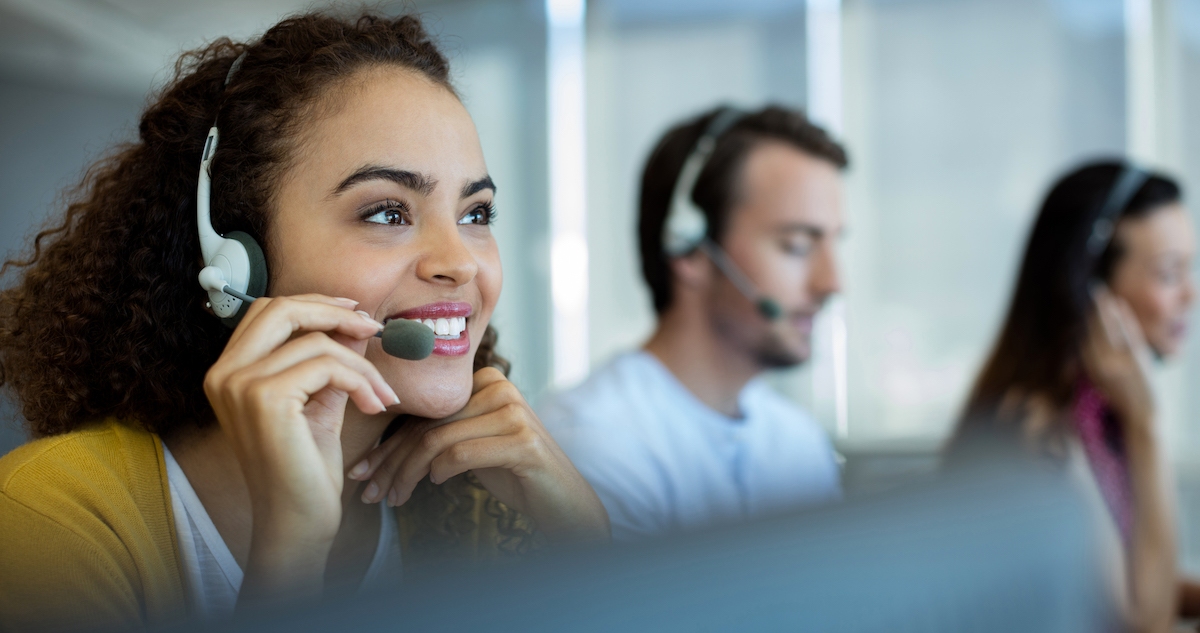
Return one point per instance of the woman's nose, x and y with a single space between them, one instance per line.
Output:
445 258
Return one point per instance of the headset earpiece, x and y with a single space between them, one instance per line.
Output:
257 268
234 262
235 271
686 227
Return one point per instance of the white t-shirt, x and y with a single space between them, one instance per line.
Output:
214 577
662 461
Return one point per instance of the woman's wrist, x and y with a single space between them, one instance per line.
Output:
584 523
286 563
1138 429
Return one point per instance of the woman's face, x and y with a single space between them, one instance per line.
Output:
388 202
1154 274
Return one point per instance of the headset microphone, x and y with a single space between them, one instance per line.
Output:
767 307
686 226
401 338
407 339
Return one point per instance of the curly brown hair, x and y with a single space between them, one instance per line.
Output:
106 318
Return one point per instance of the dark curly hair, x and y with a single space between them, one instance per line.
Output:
106 318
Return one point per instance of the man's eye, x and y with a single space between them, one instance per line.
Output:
388 213
797 248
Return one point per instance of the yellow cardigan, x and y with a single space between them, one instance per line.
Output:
87 536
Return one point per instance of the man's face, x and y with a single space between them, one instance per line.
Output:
782 232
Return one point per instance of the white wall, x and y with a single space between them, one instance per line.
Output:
48 134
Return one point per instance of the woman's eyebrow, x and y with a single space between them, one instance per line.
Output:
475 187
418 182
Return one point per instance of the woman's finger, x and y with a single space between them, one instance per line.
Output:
301 381
388 456
490 391
485 377
282 317
262 302
1106 318
504 451
403 470
317 344
1127 321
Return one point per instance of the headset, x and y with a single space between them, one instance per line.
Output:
1126 185
235 270
686 227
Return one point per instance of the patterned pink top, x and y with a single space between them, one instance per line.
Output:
1104 444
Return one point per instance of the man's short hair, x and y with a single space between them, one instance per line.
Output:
716 188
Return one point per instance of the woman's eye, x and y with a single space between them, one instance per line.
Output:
485 214
389 213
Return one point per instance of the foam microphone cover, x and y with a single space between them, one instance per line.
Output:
766 307
407 339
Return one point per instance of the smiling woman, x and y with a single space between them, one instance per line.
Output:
183 468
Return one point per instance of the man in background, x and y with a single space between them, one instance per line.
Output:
739 219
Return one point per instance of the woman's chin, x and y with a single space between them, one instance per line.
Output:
434 401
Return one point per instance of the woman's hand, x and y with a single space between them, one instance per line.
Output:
280 391
500 439
1116 357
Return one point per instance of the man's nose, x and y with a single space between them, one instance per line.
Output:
824 278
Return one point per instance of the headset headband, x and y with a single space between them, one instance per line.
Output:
1124 188
235 270
686 225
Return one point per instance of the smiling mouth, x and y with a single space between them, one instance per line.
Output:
445 328
445 318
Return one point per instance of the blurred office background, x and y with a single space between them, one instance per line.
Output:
958 114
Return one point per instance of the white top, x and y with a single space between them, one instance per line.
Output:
662 461
214 577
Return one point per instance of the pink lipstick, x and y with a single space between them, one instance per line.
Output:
448 321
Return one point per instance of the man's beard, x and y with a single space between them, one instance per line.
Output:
768 350
771 352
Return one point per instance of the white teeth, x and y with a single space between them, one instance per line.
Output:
446 327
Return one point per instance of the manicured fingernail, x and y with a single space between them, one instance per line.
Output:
369 319
369 495
395 398
360 469
346 300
